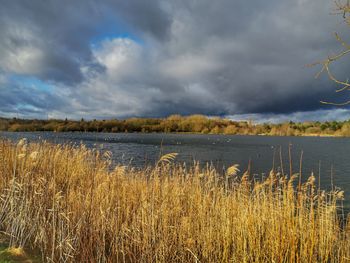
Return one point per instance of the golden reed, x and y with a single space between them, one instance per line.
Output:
68 203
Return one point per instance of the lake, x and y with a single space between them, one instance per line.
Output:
326 154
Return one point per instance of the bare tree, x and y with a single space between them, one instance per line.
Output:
342 8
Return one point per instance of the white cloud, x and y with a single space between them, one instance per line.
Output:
26 60
120 56
105 93
20 51
188 66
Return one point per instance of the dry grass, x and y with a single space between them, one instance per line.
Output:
67 202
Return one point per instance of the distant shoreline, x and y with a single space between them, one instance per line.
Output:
189 133
194 124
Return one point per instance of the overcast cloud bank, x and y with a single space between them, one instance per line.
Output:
105 59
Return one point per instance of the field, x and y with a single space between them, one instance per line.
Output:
67 203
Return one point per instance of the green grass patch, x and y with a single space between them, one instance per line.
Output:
16 255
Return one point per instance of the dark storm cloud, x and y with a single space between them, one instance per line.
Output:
117 58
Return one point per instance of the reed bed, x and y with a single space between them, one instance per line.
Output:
67 202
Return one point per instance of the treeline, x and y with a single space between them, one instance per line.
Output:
179 124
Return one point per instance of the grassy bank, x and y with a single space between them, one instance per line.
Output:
69 204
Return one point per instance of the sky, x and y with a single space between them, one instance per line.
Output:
152 58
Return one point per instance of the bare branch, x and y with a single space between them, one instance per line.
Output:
344 9
335 104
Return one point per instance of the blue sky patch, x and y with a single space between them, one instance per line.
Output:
30 81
